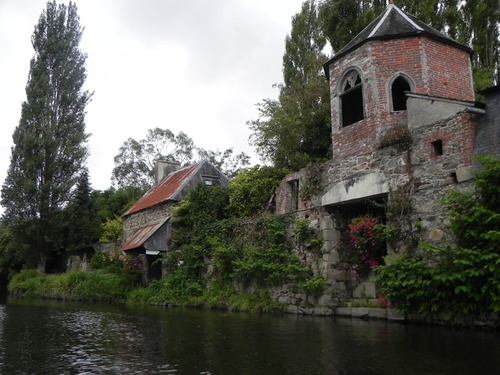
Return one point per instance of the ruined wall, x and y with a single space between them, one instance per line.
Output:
487 139
416 173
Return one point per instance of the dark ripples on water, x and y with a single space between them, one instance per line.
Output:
57 338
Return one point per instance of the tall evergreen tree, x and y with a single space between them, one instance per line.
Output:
83 215
49 142
295 129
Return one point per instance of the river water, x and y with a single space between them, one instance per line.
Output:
70 338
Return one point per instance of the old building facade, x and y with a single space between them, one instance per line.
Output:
146 227
405 128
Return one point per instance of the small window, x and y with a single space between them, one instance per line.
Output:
351 99
211 180
294 195
437 147
398 89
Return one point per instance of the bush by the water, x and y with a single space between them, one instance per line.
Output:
78 286
450 282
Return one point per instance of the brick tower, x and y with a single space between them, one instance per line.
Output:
371 76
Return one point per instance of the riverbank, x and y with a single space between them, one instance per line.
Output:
102 286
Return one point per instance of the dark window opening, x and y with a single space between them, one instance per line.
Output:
294 195
454 177
351 100
352 107
437 147
399 86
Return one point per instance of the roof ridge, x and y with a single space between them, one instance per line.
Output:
388 10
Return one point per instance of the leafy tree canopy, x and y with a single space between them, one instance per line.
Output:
295 129
134 164
252 190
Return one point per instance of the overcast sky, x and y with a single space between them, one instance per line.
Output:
195 66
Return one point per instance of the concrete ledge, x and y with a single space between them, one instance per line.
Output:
369 313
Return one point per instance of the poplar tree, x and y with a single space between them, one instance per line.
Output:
296 129
50 140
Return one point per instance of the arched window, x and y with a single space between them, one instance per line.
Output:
398 88
351 98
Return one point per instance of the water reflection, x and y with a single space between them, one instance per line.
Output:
57 338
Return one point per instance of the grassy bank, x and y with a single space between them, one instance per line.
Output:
96 285
101 285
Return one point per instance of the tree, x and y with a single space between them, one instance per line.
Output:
481 31
82 215
49 142
134 164
226 161
295 129
251 190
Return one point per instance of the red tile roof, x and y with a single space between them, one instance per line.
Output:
142 235
165 190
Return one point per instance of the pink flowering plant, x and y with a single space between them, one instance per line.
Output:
383 302
367 237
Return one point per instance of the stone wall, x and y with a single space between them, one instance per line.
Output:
134 222
487 139
417 173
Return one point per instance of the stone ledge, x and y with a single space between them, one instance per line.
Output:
369 313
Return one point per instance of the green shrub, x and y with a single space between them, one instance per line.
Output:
455 283
140 296
176 288
84 286
102 286
398 135
314 285
251 190
26 283
109 261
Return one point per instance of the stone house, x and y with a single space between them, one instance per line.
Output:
405 129
146 227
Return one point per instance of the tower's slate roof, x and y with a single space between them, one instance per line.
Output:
391 24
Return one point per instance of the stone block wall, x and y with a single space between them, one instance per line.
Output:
134 222
487 139
422 175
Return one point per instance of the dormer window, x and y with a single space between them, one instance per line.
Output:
351 98
398 88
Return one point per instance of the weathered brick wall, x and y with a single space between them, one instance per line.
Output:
284 193
434 69
448 71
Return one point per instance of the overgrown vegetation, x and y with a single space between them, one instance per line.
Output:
219 257
111 278
455 283
398 135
